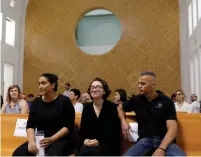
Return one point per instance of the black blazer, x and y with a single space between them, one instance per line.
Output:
106 128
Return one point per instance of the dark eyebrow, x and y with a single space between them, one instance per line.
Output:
41 82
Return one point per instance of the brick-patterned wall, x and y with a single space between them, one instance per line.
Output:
149 41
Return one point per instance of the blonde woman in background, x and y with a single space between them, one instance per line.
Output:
85 98
181 105
14 104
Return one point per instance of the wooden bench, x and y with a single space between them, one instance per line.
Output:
189 133
9 142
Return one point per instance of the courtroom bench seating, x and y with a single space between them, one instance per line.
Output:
9 142
188 137
189 133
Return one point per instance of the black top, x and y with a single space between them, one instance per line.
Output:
52 116
1 100
106 128
151 116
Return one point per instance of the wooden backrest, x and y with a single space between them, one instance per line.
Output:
189 132
78 117
8 141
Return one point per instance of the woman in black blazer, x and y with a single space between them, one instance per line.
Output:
100 124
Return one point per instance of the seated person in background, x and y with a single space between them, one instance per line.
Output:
181 105
156 117
195 105
85 98
30 99
52 113
173 97
67 89
200 105
120 96
100 125
129 97
23 96
74 96
1 101
14 103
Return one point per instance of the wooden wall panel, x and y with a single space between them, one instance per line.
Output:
149 41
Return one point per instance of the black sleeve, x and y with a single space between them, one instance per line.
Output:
114 131
128 106
171 111
68 114
31 121
83 125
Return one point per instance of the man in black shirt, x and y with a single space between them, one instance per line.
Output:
156 117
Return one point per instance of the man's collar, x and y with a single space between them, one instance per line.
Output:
160 94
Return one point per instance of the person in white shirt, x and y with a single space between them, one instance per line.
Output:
195 105
67 90
181 105
85 98
74 97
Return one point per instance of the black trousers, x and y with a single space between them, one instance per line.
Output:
58 148
101 150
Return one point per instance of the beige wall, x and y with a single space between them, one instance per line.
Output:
149 41
190 52
12 55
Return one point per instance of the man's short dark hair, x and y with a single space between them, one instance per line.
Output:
148 73
68 84
173 96
76 92
30 95
194 95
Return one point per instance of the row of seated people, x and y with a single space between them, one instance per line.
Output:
15 102
102 121
182 105
120 96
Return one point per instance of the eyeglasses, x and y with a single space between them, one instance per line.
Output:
96 87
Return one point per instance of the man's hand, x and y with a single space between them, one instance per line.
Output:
125 127
45 142
32 147
159 152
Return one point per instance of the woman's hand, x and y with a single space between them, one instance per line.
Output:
32 147
91 143
94 143
45 142
87 142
